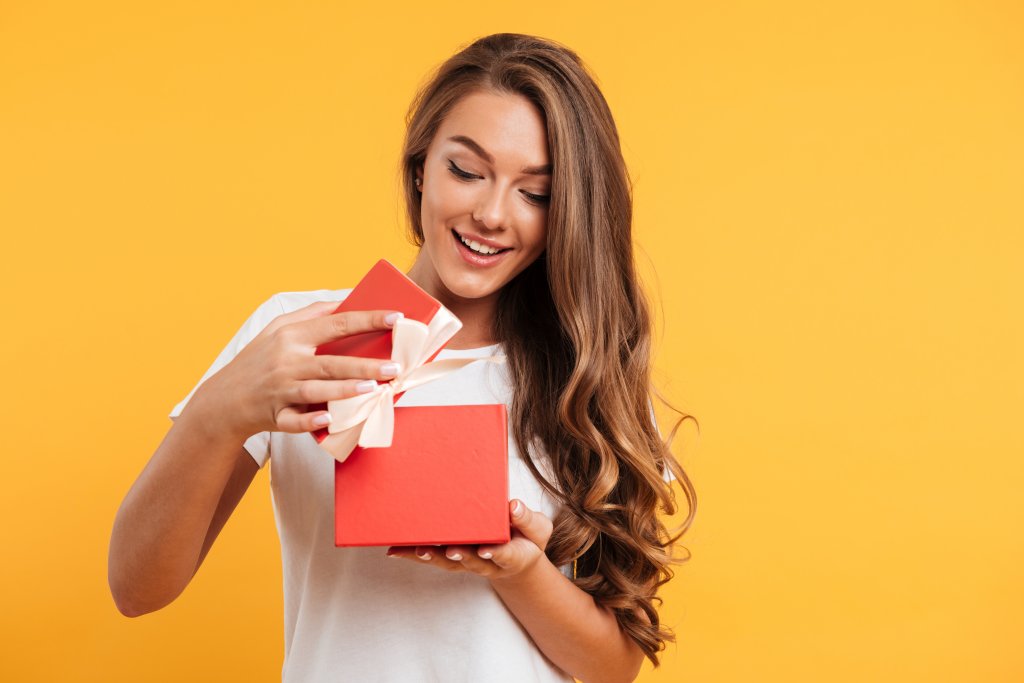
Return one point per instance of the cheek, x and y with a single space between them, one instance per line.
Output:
448 199
538 238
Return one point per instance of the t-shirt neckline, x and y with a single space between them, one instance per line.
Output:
478 352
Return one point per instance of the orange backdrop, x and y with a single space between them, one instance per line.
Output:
828 203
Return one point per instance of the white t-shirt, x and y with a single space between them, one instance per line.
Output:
353 614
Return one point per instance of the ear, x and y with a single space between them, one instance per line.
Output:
418 180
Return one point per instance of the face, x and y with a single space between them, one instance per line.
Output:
485 184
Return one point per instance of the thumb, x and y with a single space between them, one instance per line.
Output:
532 524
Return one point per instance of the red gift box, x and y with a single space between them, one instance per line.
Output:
443 481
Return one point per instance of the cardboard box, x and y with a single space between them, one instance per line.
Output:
443 481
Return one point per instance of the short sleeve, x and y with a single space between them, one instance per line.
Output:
258 445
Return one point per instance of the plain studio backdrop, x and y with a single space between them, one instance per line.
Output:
828 211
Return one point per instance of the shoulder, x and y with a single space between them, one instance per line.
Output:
281 303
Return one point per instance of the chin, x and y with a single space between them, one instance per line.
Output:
464 289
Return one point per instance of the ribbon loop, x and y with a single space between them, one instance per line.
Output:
369 419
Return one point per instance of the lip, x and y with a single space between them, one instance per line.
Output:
482 240
475 259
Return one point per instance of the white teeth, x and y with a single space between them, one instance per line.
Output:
477 247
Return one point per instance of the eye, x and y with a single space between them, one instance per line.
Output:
459 173
538 199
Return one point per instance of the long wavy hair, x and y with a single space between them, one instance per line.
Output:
576 329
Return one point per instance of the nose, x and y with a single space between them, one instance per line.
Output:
492 211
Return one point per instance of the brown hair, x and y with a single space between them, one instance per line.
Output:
576 329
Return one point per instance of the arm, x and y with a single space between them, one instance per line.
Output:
174 511
191 485
570 628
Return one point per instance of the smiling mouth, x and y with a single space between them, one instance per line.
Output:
477 248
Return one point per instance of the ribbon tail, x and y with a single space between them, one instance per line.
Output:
341 444
379 427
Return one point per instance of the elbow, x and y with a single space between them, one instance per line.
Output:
128 601
123 604
127 609
130 607
123 600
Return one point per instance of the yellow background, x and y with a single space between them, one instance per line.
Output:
829 195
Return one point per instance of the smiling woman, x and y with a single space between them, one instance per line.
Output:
518 198
512 146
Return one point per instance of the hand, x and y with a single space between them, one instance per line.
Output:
530 533
272 380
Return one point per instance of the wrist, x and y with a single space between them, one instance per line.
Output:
213 417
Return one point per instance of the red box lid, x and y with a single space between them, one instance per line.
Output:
443 481
384 287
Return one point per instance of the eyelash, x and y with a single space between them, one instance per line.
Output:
537 199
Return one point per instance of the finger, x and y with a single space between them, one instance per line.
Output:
470 560
327 366
294 420
532 524
337 325
320 391
435 555
486 552
316 309
515 554
508 555
402 552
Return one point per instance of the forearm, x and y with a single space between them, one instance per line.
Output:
160 527
570 628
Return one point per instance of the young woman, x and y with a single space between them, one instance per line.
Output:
519 200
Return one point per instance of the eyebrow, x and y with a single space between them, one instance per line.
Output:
475 147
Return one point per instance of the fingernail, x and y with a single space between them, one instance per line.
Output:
517 508
457 557
366 387
487 554
322 420
390 369
391 318
424 556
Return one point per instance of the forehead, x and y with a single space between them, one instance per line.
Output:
508 126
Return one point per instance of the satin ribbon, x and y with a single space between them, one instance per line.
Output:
369 419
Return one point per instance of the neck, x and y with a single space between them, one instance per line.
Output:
477 315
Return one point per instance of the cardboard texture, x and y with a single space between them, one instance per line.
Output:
443 481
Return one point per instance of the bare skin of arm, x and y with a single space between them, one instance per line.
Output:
174 511
570 628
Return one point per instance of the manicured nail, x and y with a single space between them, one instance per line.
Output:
457 557
391 318
517 508
322 420
366 387
424 556
487 554
390 369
